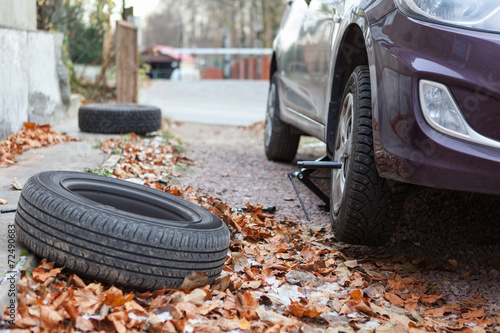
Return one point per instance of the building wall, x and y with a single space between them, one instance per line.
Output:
45 102
13 81
34 83
18 14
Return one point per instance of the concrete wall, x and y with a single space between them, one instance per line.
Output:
33 80
45 103
13 81
18 14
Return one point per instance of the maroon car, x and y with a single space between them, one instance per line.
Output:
403 91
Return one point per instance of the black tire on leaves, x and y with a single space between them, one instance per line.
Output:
368 210
279 140
117 232
119 118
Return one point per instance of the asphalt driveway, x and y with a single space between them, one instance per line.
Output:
222 102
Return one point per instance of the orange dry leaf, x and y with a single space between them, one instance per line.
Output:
438 312
308 253
356 280
33 136
244 324
88 302
46 265
396 283
246 303
114 297
356 295
474 314
41 275
118 319
49 318
430 299
394 299
84 325
76 281
71 309
366 309
303 310
194 280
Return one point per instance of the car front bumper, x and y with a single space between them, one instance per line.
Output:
407 148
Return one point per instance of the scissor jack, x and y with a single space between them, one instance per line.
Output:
306 173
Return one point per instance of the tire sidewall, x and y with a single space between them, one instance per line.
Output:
54 183
271 120
351 87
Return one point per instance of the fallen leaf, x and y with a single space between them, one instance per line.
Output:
50 318
474 314
437 312
270 316
194 280
244 324
178 297
29 126
16 184
41 275
239 262
303 310
246 304
300 277
222 282
356 280
197 297
394 299
118 318
356 295
3 201
251 285
84 325
430 299
342 273
114 297
88 302
76 281
365 308
72 310
351 263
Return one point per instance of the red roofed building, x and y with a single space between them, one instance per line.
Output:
164 60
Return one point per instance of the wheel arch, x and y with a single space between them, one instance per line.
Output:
352 53
274 66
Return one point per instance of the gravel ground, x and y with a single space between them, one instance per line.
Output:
453 237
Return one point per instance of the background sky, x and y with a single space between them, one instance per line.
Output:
142 8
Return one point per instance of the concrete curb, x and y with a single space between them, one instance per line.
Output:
6 289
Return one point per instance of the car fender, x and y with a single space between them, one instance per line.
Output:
355 17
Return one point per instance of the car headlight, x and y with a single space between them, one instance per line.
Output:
443 114
477 15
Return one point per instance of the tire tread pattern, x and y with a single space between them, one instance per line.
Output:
114 249
119 118
372 204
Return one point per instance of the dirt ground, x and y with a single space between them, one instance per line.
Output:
454 236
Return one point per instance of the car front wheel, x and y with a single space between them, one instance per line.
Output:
365 208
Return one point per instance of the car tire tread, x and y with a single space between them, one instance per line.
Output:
114 249
372 205
119 118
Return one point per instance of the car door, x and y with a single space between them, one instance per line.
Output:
290 65
314 48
